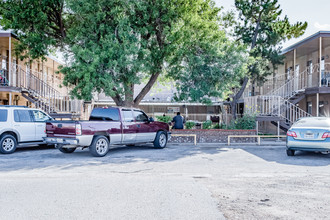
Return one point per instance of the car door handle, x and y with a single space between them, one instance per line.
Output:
139 126
16 125
39 125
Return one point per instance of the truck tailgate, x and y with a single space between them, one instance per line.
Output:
61 128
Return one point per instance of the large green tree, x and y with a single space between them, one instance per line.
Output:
114 45
262 28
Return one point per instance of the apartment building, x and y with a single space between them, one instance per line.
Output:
299 88
33 83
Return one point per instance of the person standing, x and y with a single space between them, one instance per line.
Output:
178 121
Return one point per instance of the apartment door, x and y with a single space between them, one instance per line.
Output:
322 71
309 74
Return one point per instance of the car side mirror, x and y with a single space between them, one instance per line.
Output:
151 119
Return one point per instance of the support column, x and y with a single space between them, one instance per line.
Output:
278 131
10 101
257 129
294 61
317 104
295 87
10 74
320 75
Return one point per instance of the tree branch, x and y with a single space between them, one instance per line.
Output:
146 89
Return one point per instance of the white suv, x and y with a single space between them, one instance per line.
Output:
21 125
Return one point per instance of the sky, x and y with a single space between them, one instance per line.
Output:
315 12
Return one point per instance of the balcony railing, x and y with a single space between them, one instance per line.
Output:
287 87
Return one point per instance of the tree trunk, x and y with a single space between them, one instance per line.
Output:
238 95
146 89
233 104
253 92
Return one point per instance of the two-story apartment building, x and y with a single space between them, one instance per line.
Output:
32 83
299 88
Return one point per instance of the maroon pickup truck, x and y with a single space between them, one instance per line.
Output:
107 126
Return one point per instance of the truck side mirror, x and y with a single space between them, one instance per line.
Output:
151 119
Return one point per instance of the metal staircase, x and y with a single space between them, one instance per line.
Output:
41 94
279 104
275 109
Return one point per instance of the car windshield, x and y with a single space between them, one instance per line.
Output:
312 122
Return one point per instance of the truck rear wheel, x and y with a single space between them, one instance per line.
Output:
100 146
160 140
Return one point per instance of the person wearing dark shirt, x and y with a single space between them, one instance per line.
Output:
178 121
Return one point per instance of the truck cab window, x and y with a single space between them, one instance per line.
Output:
140 116
104 114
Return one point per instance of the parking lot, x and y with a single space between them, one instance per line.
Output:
207 181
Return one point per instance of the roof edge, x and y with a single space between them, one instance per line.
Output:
305 40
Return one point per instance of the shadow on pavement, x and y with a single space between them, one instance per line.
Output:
278 154
29 158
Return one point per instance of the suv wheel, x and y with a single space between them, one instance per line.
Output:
8 144
100 146
160 140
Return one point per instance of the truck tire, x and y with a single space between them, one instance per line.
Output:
160 140
66 150
100 146
8 144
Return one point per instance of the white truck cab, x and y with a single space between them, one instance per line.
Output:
21 125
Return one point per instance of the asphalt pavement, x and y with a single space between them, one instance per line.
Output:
182 181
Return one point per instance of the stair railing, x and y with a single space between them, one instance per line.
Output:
274 106
47 98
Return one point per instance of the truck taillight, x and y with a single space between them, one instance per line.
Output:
291 134
78 129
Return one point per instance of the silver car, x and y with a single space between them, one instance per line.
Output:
309 134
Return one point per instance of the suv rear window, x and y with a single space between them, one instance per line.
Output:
105 114
22 116
3 115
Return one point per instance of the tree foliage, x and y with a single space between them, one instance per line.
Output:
40 25
262 27
114 45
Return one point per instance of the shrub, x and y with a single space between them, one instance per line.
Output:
246 122
216 126
165 118
207 124
190 124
